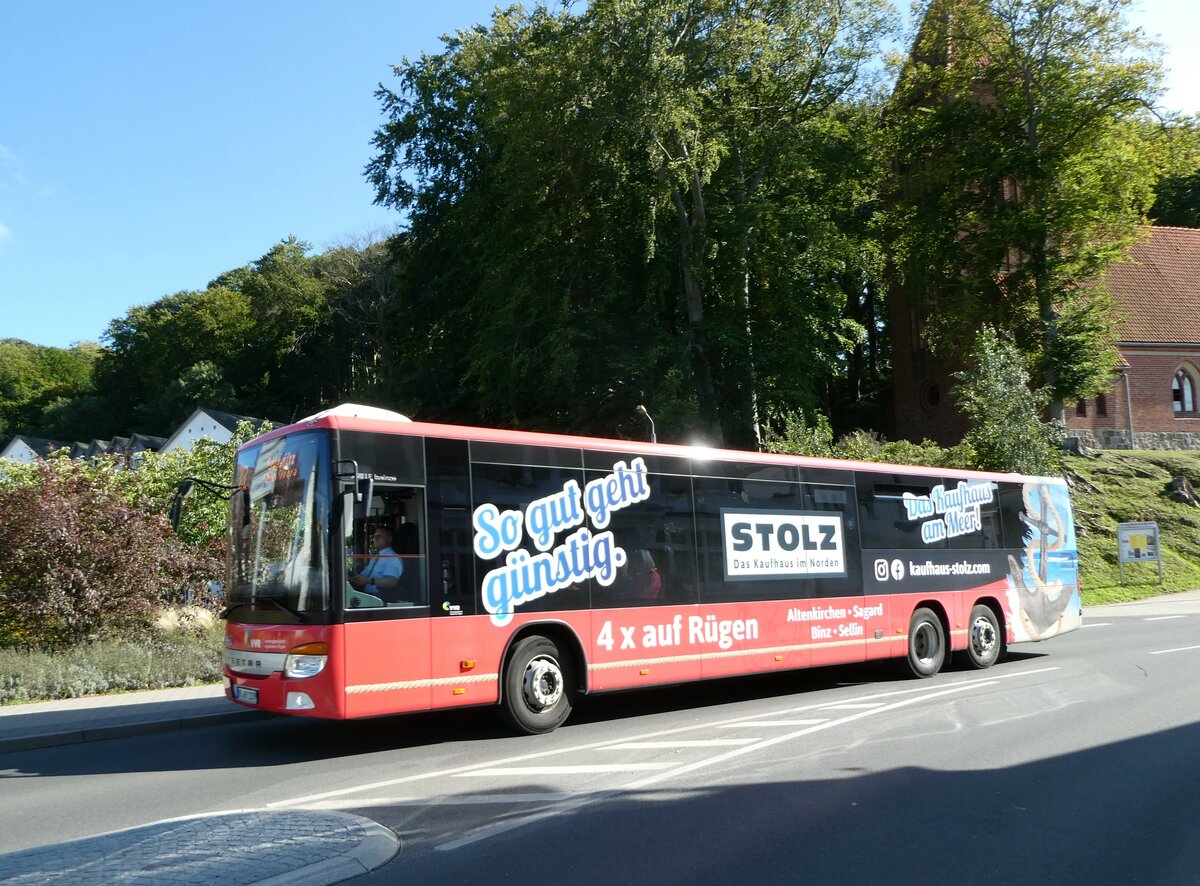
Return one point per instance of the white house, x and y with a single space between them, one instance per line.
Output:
206 423
30 449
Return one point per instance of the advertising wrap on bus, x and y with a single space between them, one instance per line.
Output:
384 566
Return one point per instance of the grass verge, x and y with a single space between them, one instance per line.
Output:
1108 488
162 660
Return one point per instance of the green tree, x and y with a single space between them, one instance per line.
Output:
1177 193
34 378
1177 201
1019 126
592 207
151 350
1007 432
265 338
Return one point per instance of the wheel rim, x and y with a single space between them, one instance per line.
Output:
926 646
983 637
543 684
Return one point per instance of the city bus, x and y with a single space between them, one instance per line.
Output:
525 569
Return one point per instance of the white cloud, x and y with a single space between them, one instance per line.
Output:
5 233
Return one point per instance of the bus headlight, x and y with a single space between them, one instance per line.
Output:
306 661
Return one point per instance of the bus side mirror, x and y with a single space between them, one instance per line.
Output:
364 494
181 493
243 500
348 506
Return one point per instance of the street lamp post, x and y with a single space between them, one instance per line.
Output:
642 410
1123 371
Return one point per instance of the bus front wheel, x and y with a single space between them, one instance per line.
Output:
926 643
538 686
986 642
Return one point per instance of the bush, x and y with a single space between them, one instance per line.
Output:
792 434
868 446
1007 431
79 561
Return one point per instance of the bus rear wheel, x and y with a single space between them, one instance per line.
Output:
539 688
985 643
926 643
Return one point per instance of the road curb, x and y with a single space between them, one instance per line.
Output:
378 846
125 730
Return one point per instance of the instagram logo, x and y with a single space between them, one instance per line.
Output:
881 570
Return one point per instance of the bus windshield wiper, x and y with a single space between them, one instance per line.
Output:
299 616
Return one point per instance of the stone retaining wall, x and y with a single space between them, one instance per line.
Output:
1104 438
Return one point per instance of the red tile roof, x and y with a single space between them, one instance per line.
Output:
1157 292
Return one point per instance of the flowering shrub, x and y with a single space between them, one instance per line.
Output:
80 560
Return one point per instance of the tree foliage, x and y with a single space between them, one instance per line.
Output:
1019 124
1007 432
632 203
1177 193
276 338
34 378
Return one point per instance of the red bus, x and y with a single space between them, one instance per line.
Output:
521 569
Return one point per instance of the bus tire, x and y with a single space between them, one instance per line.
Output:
926 643
985 642
539 688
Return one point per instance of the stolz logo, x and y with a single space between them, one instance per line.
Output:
782 544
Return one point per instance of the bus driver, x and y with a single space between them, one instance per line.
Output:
382 573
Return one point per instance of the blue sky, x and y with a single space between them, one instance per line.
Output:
145 147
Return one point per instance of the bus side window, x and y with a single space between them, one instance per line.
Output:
397 557
657 537
451 553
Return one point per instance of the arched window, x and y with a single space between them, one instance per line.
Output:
1101 405
1183 392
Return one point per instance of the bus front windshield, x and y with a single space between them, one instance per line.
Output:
279 537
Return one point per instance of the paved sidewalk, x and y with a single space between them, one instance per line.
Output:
70 721
273 847
294 847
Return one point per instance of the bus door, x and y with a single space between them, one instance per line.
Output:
386 604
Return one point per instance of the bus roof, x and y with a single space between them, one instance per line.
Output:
348 417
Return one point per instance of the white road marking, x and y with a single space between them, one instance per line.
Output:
557 809
1098 624
586 769
493 830
464 800
1163 617
1178 649
853 706
820 727
754 724
309 799
671 745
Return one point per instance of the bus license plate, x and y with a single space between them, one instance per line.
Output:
243 693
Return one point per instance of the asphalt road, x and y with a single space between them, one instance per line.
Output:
1077 760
